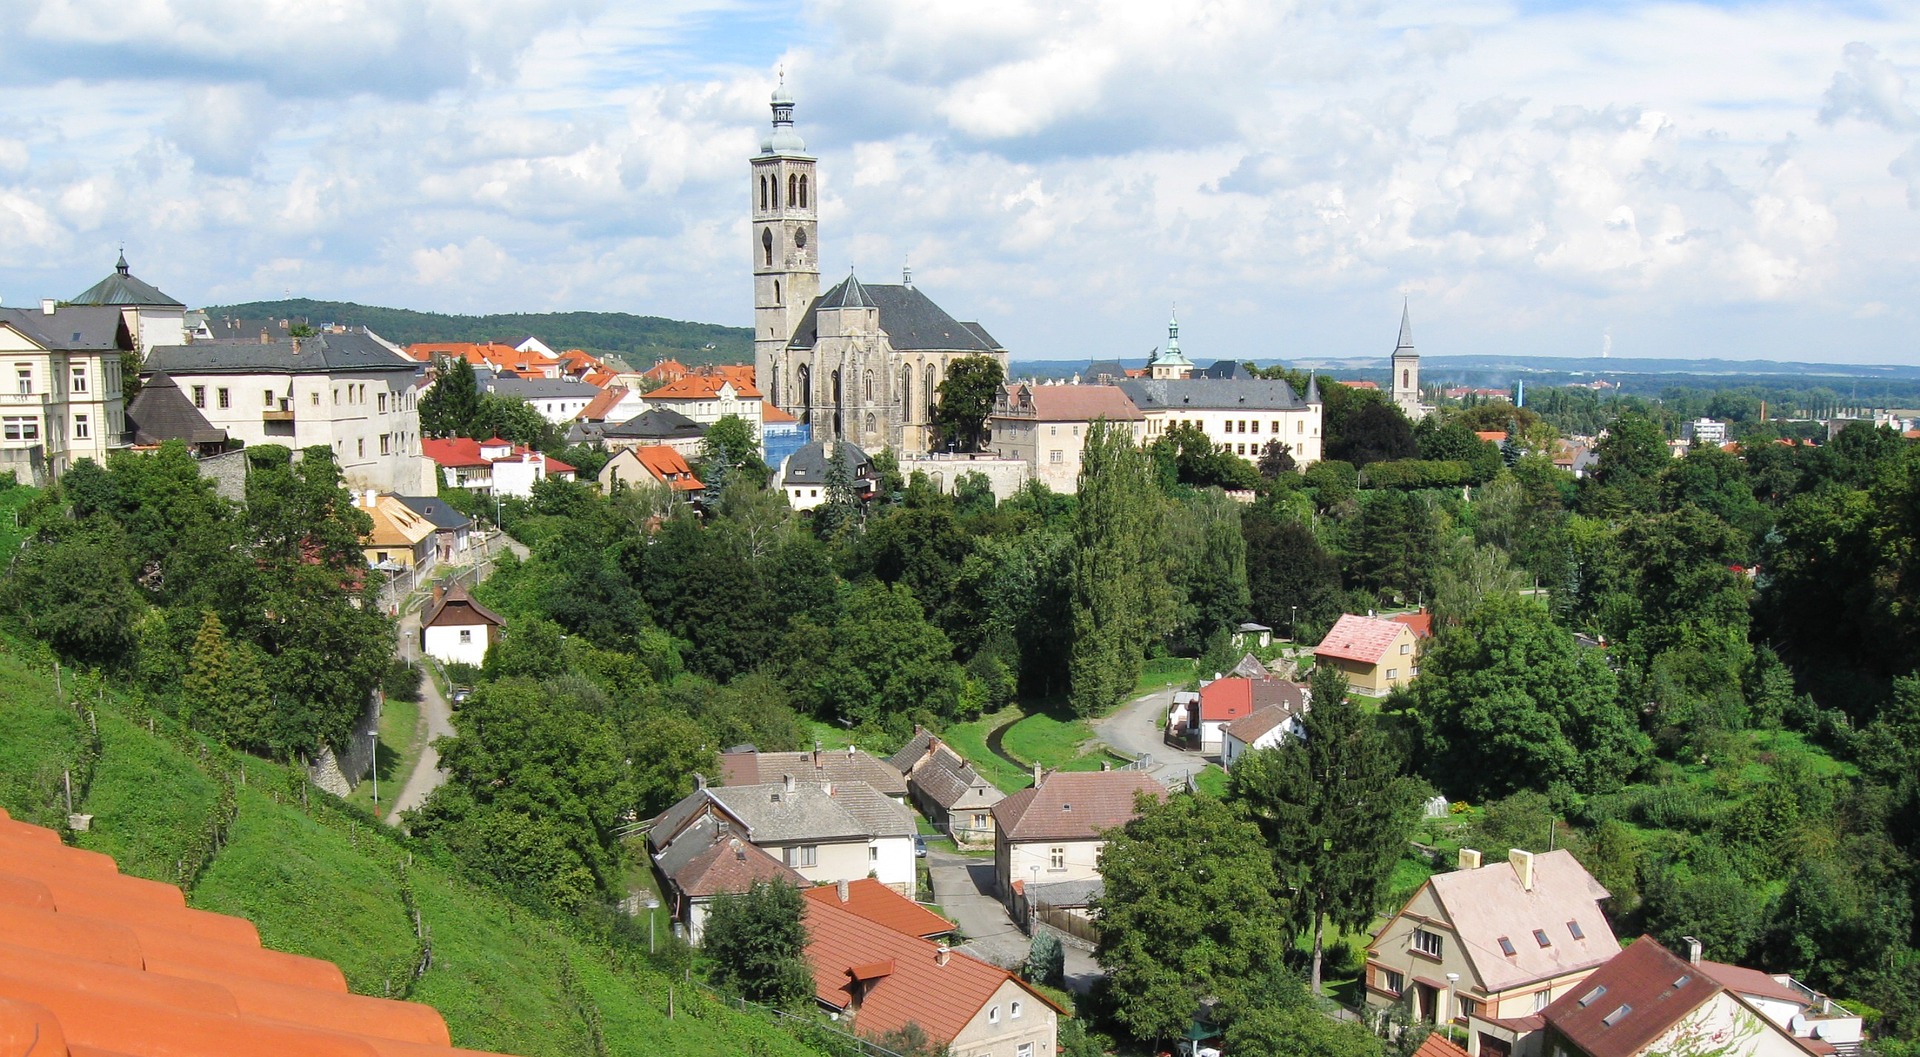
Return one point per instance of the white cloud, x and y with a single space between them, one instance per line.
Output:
1871 89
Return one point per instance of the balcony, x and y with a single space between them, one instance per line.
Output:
283 412
24 399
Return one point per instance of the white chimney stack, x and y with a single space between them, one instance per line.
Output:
46 306
1522 866
1693 949
1469 859
843 890
787 781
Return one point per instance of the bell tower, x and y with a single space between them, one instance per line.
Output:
786 256
1405 388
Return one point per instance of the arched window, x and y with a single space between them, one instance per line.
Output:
867 382
779 398
776 291
870 424
932 391
803 377
906 393
763 194
838 394
793 190
1406 379
803 192
766 245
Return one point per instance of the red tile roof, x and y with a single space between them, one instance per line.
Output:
703 387
601 405
1080 403
883 906
1357 638
669 467
1225 700
770 413
1421 623
492 354
1073 805
1438 1045
93 963
665 371
465 451
1633 1000
849 954
732 865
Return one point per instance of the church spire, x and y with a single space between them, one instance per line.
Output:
1170 362
121 265
783 139
1406 327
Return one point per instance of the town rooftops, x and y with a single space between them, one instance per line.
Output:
1070 403
703 387
1073 805
726 864
668 466
1636 998
1185 394
124 288
1357 638
947 779
1232 698
160 412
657 423
435 510
602 405
821 765
98 962
521 388
894 979
912 321
350 351
1522 900
72 328
458 609
883 906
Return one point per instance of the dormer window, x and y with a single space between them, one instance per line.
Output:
1574 928
1616 1016
1506 946
1540 937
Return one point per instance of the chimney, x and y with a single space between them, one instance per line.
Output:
787 781
1038 775
843 889
46 306
1469 859
1105 765
699 780
816 752
941 954
739 849
1693 949
438 593
1522 866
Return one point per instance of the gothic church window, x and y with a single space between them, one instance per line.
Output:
906 391
766 245
763 194
1406 379
868 382
776 291
870 423
932 390
803 192
793 190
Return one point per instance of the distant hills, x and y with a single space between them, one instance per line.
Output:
637 340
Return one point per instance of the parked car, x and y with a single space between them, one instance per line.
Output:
920 847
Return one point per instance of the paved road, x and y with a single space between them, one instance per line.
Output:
435 713
963 885
1132 729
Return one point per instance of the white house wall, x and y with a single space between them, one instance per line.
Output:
443 644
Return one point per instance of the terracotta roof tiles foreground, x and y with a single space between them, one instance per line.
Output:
870 899
1070 805
93 963
1357 638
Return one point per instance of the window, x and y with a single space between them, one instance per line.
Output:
1592 996
362 442
803 855
1506 946
1541 999
766 246
79 379
383 403
336 396
1405 648
466 636
1391 982
1428 943
873 853
1013 1011
385 439
1540 937
1025 1049
266 398
226 398
1299 427
22 429
803 195
379 556
1056 858
316 398
199 396
81 428
1614 1017
1393 673
993 1014
25 375
1578 933
1468 1007
1056 457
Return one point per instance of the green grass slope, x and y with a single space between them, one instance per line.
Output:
148 800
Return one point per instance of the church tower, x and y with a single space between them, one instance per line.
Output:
1405 387
786 255
1170 364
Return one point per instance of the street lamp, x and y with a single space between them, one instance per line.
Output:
1293 619
652 905
373 740
1032 915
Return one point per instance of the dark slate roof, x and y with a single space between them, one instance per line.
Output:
913 750
75 328
435 510
540 388
1109 369
1212 393
122 288
161 412
319 354
912 321
656 423
808 466
1228 369
249 330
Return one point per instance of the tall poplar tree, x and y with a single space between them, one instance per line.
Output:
1336 807
1121 595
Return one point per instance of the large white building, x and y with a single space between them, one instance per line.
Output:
1240 415
346 390
1047 425
861 362
152 317
62 401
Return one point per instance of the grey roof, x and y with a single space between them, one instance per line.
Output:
539 388
1406 330
754 767
1176 394
1313 388
122 288
808 466
774 814
912 321
880 814
435 510
911 752
250 330
1109 369
349 352
1226 369
658 423
76 328
947 780
696 838
161 412
1067 893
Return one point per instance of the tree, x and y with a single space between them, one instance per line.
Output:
512 419
1336 807
759 945
1046 960
841 511
1290 577
450 407
1374 432
1119 596
1187 914
729 449
1298 1030
1631 455
966 399
75 591
1211 568
1276 459
1188 456
881 660
225 691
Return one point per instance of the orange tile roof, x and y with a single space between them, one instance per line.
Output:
1357 638
1497 436
883 906
492 354
598 408
1438 1045
703 387
665 371
843 947
94 963
774 416
1073 805
669 467
1360 384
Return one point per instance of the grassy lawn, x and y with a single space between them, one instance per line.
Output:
970 741
403 733
13 501
148 801
42 741
1211 781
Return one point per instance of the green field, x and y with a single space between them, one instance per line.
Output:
402 736
147 801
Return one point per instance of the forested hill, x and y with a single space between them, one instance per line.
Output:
639 340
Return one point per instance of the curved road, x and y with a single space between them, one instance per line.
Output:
1133 729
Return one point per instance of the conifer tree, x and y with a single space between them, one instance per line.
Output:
1121 593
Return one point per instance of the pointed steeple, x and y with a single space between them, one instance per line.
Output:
121 265
1406 328
1313 388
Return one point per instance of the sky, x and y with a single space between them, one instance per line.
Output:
1547 177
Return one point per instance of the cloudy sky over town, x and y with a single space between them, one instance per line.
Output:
1661 179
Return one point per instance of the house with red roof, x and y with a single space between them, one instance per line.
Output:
493 466
881 905
1232 698
877 980
662 372
1648 1000
1375 654
95 962
708 398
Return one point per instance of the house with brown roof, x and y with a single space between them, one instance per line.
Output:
457 629
948 790
1649 1001
1374 654
876 980
93 962
825 830
1054 830
648 465
1494 943
750 766
1046 426
881 905
707 860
